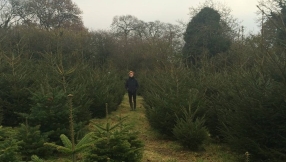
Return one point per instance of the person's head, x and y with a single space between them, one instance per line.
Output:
131 73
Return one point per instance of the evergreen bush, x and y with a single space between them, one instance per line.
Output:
35 158
166 94
32 142
14 93
190 131
70 146
9 147
49 109
115 143
103 86
9 150
252 110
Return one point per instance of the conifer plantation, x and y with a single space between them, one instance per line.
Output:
204 82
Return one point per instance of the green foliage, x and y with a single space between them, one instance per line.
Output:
190 131
69 145
14 96
167 93
32 142
50 111
103 87
69 149
278 19
249 103
9 147
9 150
204 35
252 113
167 98
35 158
243 102
103 44
82 104
115 142
1 114
37 75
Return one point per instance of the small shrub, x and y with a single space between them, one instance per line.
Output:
116 143
70 148
9 147
35 158
104 87
50 111
166 94
9 150
32 142
190 132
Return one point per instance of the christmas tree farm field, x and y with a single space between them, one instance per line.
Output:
158 148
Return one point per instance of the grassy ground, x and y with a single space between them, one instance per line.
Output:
158 149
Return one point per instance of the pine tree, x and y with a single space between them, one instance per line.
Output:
32 141
115 143
167 93
14 88
190 131
204 36
70 146
50 110
9 147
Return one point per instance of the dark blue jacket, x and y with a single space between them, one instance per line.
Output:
131 84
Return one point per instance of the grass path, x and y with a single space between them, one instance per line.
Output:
158 149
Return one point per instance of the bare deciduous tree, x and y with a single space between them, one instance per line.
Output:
48 14
6 14
124 25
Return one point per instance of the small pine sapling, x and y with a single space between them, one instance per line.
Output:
115 143
70 147
190 131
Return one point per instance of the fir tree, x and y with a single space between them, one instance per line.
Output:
70 146
115 143
9 147
32 141
204 36
190 131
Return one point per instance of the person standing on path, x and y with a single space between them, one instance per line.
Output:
131 86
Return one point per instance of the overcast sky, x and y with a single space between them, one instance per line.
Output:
98 14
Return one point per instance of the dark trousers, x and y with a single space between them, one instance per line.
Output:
132 97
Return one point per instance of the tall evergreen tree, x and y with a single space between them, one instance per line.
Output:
280 19
205 35
273 23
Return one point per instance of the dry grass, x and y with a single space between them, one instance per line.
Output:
158 149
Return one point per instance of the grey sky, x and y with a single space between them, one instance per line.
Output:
98 14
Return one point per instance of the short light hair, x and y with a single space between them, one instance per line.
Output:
131 72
